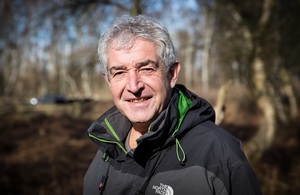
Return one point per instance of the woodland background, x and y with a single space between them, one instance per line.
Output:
243 56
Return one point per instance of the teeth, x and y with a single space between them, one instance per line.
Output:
137 100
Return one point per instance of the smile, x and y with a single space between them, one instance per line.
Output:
138 100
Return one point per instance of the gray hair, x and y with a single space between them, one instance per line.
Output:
125 30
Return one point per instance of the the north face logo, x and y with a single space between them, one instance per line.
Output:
163 189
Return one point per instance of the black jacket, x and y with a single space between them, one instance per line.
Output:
183 153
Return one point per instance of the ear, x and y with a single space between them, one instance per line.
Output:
174 73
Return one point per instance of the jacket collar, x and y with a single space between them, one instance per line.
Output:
184 111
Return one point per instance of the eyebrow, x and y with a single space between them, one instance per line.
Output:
138 65
121 67
146 62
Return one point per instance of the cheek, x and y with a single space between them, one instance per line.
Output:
116 90
168 83
163 88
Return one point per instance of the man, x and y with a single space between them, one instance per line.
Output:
159 138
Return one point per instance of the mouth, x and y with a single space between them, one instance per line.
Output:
138 100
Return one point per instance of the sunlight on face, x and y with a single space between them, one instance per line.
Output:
139 83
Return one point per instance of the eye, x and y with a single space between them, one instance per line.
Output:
118 74
147 70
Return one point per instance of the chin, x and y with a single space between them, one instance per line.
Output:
139 119
136 120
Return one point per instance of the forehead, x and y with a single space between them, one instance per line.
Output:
140 50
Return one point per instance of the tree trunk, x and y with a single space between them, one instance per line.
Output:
13 72
87 91
265 135
289 92
209 29
220 104
188 64
254 35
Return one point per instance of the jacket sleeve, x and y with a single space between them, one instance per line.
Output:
244 181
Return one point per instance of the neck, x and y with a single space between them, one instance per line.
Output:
136 132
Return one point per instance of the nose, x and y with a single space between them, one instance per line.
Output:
134 84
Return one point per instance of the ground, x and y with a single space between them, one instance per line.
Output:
45 150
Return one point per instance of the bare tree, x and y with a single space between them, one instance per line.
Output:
256 22
209 22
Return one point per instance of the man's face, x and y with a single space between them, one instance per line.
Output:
139 82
